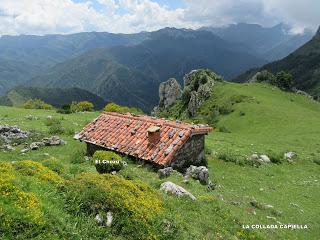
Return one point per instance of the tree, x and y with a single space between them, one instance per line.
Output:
37 104
284 80
112 107
83 106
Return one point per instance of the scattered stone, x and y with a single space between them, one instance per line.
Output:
290 155
36 145
236 203
165 172
169 187
104 221
9 133
265 158
258 205
98 219
8 147
198 173
46 154
273 218
260 159
25 150
53 141
109 219
30 117
211 185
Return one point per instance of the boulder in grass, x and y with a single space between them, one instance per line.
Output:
165 172
169 187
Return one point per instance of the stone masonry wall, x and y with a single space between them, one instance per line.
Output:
191 153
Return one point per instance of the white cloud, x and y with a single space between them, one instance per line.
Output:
296 13
66 16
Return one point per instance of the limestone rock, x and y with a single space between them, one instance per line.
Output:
169 187
199 173
187 79
169 92
290 155
104 220
165 172
8 133
260 159
36 145
52 141
194 104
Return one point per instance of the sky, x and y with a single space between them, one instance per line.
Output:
42 17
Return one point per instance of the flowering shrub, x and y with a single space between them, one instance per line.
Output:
112 107
134 204
19 210
31 168
37 104
83 106
107 161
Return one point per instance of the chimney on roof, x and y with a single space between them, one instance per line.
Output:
153 134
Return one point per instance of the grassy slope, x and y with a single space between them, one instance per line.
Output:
273 121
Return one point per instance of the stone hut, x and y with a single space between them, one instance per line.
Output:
160 142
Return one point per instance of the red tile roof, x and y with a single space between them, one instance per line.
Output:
126 133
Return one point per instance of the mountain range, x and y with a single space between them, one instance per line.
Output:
128 68
303 64
270 43
54 96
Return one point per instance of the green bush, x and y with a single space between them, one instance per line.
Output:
83 106
134 205
65 109
284 80
37 104
112 107
107 161
54 165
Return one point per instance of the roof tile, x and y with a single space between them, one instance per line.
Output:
126 133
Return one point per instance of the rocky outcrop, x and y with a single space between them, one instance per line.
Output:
169 187
9 133
198 86
51 141
194 103
169 92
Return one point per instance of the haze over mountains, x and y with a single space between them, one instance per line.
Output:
127 68
303 64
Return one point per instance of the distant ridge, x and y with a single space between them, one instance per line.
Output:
303 65
54 96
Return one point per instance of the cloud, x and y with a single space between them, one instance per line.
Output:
67 16
296 13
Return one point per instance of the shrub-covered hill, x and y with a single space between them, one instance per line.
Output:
54 96
303 64
252 118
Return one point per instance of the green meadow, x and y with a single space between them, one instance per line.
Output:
265 121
